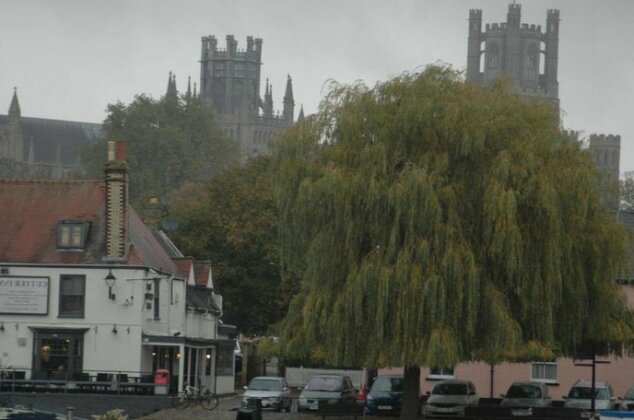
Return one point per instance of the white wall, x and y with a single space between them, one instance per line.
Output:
103 349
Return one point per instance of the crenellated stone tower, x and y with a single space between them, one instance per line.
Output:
522 53
230 83
528 58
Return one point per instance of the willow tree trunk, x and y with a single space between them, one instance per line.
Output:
411 393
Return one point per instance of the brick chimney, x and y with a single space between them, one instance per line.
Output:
116 172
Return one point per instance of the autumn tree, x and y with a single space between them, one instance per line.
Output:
434 222
627 192
168 142
232 220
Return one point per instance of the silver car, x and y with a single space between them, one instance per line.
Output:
450 398
272 391
627 402
526 395
580 396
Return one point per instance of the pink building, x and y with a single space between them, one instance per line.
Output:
559 374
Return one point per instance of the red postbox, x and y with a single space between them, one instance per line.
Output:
161 381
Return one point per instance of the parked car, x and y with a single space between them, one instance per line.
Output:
331 388
627 402
580 396
272 391
385 396
527 395
450 397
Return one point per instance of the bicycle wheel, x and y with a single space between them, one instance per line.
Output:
179 401
208 401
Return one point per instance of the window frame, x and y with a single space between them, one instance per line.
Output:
156 300
543 367
71 314
441 373
75 227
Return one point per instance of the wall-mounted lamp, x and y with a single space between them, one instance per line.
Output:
114 329
2 326
110 279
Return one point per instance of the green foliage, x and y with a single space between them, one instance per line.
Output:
232 221
267 347
627 192
168 142
433 222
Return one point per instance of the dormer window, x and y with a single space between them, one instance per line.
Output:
72 234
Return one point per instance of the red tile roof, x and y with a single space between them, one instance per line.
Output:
31 210
184 266
202 272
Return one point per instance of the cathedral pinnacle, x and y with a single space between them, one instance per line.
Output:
14 108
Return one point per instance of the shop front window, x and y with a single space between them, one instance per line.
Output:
57 354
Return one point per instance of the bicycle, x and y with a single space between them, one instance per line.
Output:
206 399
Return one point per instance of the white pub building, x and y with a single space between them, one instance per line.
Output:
91 295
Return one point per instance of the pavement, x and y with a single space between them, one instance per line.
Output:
85 406
142 407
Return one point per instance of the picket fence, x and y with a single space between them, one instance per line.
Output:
298 376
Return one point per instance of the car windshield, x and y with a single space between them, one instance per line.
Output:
585 393
450 389
629 395
265 385
324 384
388 385
524 391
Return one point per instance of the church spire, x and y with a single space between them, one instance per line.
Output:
268 100
301 117
188 94
14 108
171 86
289 102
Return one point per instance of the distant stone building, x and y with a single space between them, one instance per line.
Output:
39 147
528 57
230 83
514 50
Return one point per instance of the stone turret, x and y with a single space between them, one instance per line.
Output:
13 146
289 102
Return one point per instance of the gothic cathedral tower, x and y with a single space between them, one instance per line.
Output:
528 59
515 50
230 83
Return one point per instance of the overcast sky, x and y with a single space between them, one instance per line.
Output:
70 58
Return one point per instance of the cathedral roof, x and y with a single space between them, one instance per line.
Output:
48 136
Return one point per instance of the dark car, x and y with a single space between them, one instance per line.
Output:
527 395
326 388
385 396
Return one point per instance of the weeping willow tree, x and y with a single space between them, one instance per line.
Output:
434 222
